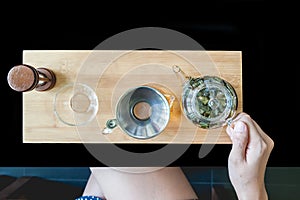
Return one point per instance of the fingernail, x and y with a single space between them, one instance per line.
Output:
239 127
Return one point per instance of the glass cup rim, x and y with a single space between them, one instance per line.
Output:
71 87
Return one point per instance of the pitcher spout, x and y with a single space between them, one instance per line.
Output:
182 76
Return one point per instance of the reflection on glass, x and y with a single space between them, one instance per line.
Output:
208 101
142 112
75 104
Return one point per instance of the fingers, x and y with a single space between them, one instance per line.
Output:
239 137
230 128
258 142
266 138
256 134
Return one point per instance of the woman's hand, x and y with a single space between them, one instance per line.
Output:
251 148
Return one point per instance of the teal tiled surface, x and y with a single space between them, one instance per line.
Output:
225 191
282 192
220 175
12 171
281 182
203 191
71 175
198 174
283 175
58 172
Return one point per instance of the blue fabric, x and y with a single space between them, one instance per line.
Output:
89 198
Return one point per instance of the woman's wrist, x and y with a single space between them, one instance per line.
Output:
253 193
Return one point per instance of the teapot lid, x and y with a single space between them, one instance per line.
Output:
209 101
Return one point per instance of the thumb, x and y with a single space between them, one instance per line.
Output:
239 142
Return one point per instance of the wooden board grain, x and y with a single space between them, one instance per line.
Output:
110 73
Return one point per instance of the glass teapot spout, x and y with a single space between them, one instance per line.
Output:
191 82
181 74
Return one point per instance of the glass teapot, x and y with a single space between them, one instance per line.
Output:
208 101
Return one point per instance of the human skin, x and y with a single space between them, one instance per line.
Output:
134 183
247 161
251 148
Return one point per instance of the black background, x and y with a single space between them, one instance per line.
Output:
218 25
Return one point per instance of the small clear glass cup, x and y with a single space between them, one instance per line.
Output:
75 104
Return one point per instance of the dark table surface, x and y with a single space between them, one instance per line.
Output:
227 25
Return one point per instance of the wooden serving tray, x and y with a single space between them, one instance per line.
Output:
110 73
